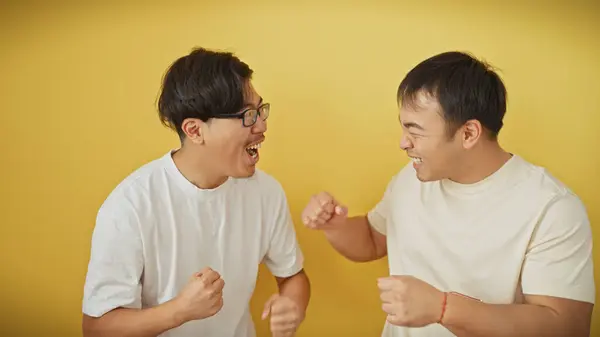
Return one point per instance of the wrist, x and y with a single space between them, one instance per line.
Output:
175 313
456 306
302 314
333 228
300 307
443 305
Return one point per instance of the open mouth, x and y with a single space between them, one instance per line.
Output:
416 160
252 150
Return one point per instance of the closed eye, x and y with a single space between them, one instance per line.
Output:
412 134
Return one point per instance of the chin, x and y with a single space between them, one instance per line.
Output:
246 172
423 177
250 172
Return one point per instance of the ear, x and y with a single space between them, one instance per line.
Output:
472 131
192 127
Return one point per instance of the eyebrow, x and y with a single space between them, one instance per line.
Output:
413 125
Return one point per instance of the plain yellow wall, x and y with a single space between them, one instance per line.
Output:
78 83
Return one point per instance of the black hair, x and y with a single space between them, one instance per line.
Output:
200 85
464 87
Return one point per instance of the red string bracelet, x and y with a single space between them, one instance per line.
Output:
444 301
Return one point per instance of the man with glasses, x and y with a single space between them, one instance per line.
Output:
177 245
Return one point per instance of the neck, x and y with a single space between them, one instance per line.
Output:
195 168
481 163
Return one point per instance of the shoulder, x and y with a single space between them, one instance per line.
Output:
540 180
133 191
563 211
565 215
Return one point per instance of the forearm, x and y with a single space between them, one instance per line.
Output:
469 318
297 288
123 322
354 240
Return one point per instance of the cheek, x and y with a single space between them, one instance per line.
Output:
447 152
425 147
434 151
234 144
229 139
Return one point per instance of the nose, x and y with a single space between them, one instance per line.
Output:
260 126
405 143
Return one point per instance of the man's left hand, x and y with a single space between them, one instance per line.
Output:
409 301
286 316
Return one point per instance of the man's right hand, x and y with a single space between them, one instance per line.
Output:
324 212
202 297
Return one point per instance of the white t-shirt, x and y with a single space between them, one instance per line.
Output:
156 229
520 231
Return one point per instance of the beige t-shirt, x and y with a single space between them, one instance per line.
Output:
518 228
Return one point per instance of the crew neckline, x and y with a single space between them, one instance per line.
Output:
187 185
497 178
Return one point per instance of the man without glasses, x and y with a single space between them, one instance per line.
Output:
480 242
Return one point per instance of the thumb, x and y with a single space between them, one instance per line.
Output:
268 305
341 210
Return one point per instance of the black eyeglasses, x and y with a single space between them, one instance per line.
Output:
249 116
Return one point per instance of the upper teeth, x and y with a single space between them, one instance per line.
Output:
255 146
417 160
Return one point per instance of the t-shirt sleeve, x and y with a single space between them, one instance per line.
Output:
116 263
284 258
379 215
558 262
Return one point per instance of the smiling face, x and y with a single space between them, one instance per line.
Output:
232 147
435 153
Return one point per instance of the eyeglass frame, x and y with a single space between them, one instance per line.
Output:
242 114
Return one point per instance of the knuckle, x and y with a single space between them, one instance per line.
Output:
324 196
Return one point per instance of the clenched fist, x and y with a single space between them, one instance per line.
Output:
286 316
409 301
202 297
323 212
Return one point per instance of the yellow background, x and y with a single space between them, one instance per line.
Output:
78 83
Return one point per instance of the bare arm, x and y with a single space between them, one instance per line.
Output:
540 316
201 297
115 268
356 240
287 308
296 287
123 322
